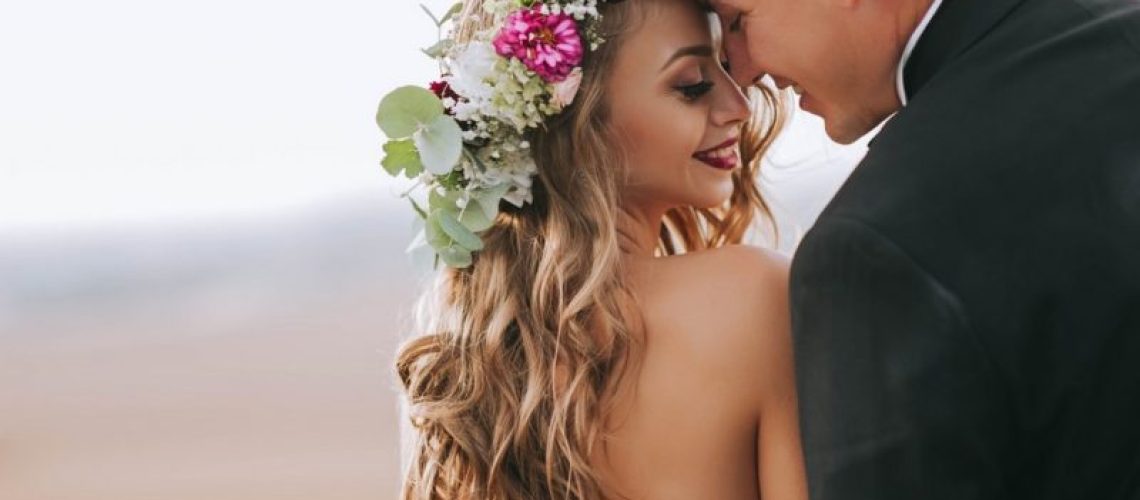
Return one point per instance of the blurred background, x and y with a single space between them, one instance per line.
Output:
202 269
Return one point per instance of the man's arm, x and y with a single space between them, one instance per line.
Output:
898 400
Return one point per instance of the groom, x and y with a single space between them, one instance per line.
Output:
966 310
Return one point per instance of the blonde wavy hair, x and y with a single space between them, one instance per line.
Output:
512 376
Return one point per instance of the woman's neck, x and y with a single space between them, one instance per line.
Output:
639 229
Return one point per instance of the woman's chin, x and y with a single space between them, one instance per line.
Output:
713 197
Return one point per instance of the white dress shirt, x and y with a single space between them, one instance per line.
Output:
900 86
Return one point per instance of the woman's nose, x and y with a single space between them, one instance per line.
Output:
730 106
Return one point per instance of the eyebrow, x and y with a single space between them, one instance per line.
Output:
694 50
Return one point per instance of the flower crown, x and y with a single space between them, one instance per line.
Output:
464 137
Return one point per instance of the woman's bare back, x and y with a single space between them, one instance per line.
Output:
708 411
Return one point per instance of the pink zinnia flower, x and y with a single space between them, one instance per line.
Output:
547 44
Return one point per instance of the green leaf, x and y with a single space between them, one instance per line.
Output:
439 49
453 180
419 210
446 248
452 12
432 16
489 199
475 218
440 144
460 234
446 201
456 257
406 110
401 156
434 234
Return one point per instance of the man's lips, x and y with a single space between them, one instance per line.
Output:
723 156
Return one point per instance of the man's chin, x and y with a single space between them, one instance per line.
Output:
844 130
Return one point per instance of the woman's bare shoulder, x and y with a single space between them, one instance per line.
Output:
727 307
733 280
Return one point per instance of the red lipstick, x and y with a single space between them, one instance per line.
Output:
723 156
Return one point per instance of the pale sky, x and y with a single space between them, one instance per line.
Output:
128 110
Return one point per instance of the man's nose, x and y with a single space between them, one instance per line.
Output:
742 68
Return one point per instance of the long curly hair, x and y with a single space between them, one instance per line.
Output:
511 377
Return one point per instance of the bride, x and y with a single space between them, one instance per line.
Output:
598 332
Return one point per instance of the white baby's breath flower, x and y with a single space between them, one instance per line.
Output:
582 9
517 197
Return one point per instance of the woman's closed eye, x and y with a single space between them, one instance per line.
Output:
696 90
734 26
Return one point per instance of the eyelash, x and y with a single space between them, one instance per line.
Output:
696 90
735 25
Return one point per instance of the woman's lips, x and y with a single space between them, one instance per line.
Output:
723 156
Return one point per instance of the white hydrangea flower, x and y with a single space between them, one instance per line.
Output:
472 67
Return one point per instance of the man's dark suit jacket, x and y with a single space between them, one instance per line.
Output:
966 311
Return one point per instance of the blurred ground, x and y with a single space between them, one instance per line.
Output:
225 360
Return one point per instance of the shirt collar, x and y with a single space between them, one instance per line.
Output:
900 86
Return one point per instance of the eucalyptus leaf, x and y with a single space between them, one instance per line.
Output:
446 201
434 234
406 110
456 257
489 199
452 12
475 218
439 49
460 234
440 144
401 156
